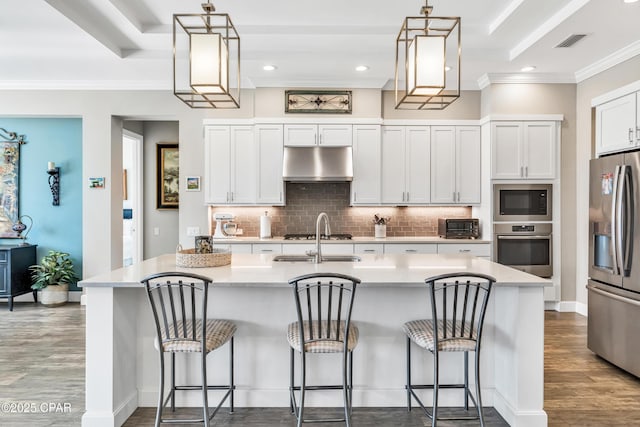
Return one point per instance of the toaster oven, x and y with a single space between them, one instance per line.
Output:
458 228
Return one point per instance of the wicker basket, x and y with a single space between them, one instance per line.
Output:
190 259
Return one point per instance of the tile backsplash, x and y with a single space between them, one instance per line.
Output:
306 201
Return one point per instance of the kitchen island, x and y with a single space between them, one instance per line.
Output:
122 363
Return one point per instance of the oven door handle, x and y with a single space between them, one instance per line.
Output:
538 237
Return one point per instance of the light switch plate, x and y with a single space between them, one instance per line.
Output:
193 231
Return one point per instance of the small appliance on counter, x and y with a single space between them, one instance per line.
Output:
458 228
225 229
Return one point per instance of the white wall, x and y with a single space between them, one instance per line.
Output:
618 76
165 220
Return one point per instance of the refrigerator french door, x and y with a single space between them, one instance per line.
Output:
614 260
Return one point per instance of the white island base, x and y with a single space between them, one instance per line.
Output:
122 362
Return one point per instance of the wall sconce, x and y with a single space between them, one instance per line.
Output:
54 182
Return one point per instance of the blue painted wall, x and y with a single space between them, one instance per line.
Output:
56 140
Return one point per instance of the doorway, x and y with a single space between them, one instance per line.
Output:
132 192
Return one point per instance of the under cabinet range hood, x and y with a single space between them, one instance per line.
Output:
306 164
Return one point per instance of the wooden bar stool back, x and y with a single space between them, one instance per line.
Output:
179 304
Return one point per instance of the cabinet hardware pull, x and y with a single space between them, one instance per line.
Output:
355 196
458 196
411 250
370 250
526 171
630 134
454 196
315 138
266 250
464 250
407 196
521 171
638 133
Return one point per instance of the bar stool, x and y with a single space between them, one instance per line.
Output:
458 306
177 299
324 302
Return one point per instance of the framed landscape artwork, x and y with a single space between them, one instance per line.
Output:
167 182
9 188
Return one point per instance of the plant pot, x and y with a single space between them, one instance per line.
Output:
54 295
380 230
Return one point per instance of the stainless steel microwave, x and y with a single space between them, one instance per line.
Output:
522 202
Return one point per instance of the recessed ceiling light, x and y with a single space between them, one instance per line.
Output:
527 68
362 68
630 1
447 68
269 67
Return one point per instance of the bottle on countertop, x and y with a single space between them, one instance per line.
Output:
265 226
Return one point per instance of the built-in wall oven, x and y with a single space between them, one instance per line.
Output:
522 202
526 247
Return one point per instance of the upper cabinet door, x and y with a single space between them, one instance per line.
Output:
393 164
300 135
443 164
468 160
269 141
418 159
616 125
506 150
243 160
539 150
217 174
365 188
335 135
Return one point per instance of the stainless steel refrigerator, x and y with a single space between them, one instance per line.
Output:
614 260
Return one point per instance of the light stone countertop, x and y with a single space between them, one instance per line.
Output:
373 270
355 239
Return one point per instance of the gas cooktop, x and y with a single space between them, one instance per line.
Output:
312 236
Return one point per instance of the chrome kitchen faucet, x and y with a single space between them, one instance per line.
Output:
327 231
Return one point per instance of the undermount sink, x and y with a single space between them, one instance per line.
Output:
310 258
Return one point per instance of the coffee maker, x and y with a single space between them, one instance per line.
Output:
225 229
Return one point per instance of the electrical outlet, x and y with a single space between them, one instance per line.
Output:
193 231
156 231
239 232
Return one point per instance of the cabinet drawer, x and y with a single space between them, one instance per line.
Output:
411 248
475 249
244 248
368 248
267 248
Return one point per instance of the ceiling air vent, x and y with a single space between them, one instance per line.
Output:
571 40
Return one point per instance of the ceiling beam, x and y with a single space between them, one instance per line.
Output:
94 23
548 26
506 13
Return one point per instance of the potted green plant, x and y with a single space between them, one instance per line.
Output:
52 278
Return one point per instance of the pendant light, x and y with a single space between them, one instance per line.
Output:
427 75
206 59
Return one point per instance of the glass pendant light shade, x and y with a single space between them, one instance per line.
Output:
206 60
427 73
209 60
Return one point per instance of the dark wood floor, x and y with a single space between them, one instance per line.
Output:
42 364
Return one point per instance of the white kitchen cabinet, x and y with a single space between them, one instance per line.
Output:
235 248
618 125
405 165
476 249
368 248
523 150
230 165
365 188
455 165
410 248
266 248
308 135
269 143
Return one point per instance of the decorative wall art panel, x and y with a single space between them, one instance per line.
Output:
319 101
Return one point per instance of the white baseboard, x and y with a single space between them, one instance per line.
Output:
566 307
515 417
